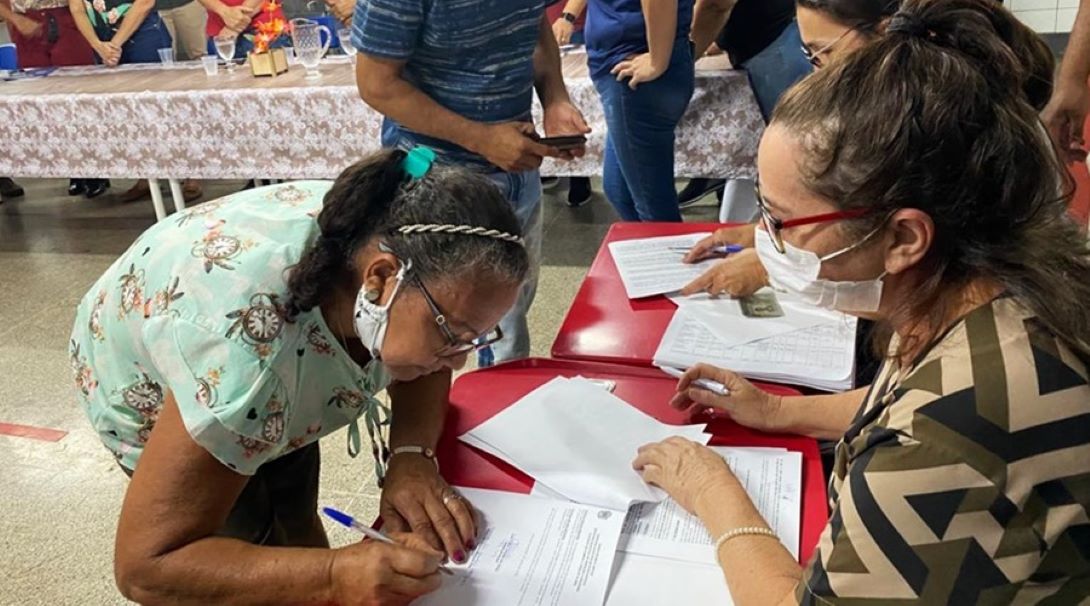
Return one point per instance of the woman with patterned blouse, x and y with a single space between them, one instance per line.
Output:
121 31
912 184
225 342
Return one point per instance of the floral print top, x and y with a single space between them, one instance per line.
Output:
106 15
197 307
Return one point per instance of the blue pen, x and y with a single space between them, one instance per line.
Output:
726 250
346 520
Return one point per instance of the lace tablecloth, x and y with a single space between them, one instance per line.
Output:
176 123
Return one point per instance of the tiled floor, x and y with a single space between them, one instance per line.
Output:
59 501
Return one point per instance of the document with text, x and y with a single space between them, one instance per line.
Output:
533 552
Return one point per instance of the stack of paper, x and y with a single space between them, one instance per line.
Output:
806 346
772 477
665 554
533 552
653 266
579 440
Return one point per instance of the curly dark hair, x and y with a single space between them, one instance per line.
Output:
374 197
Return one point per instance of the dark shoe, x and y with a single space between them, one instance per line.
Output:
549 182
138 191
696 189
579 191
96 187
77 187
249 185
10 189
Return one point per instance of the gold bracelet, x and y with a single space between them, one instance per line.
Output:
738 532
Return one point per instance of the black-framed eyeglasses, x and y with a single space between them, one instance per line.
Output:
814 57
775 225
455 347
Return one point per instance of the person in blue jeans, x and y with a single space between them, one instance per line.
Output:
120 32
459 78
642 67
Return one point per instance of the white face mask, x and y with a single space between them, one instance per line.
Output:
372 319
796 271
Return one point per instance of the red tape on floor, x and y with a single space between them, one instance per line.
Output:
34 433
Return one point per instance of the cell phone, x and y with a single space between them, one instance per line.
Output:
565 142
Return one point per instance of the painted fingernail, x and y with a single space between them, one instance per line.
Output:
459 556
472 544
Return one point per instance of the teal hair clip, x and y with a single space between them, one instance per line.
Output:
418 162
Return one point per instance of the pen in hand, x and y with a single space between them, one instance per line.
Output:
725 250
707 384
346 520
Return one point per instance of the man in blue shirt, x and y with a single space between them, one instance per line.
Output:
458 76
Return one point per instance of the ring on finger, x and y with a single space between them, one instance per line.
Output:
450 496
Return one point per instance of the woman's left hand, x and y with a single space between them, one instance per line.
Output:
638 69
684 469
416 498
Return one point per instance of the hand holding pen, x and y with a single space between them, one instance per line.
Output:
698 253
350 522
746 403
382 571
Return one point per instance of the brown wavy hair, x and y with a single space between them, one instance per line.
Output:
932 116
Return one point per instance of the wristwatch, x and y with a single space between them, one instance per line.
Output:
570 18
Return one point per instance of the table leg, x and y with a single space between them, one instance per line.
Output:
157 199
176 195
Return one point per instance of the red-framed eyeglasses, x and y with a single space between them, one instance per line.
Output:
775 225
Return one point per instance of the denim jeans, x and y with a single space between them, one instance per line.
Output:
776 68
144 44
638 170
523 191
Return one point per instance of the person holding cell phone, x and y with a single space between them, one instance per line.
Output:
460 77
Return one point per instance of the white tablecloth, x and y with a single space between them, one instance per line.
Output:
176 123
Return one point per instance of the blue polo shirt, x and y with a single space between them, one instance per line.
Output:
473 57
615 29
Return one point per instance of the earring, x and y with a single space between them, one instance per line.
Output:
372 294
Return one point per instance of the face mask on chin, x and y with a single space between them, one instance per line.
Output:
797 270
371 320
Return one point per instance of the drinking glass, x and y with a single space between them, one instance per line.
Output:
306 37
345 36
166 57
225 48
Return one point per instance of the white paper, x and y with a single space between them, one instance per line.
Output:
533 552
651 266
771 477
640 580
822 357
724 318
579 440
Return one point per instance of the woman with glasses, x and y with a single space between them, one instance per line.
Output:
832 30
930 207
227 340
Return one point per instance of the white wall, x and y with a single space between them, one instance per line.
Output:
1045 16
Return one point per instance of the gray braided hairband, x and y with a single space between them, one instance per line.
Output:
468 230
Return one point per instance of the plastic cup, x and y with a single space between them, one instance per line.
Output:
166 57
210 64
